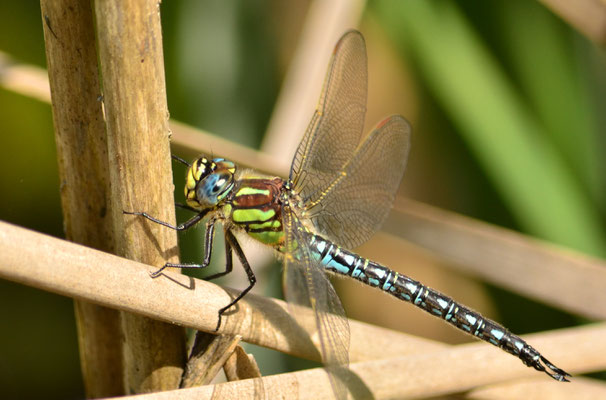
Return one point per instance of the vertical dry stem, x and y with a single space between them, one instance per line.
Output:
83 169
132 68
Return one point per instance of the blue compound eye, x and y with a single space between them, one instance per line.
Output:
212 187
218 185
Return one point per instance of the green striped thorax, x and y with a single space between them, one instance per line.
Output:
209 182
251 203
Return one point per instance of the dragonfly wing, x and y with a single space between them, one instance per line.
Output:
306 284
357 202
336 126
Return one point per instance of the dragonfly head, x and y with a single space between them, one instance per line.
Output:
208 182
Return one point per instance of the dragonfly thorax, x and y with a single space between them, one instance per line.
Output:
209 182
255 206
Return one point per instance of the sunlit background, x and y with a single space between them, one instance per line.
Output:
506 102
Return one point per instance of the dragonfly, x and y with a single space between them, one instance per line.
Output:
339 192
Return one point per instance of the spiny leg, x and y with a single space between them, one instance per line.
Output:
232 244
208 249
182 227
228 264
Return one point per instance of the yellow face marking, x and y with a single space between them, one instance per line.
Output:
190 181
192 203
198 168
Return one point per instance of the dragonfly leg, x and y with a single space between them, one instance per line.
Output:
208 249
228 264
182 227
232 243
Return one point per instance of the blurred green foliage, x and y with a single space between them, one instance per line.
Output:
538 145
510 109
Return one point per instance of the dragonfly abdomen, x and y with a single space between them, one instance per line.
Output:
338 260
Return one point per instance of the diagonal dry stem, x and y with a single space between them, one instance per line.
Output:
73 270
504 254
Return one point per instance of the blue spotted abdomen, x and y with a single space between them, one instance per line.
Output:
340 261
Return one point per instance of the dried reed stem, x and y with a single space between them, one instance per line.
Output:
129 38
435 229
72 270
83 169
554 275
66 268
452 370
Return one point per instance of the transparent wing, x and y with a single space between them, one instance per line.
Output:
306 284
336 126
356 203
